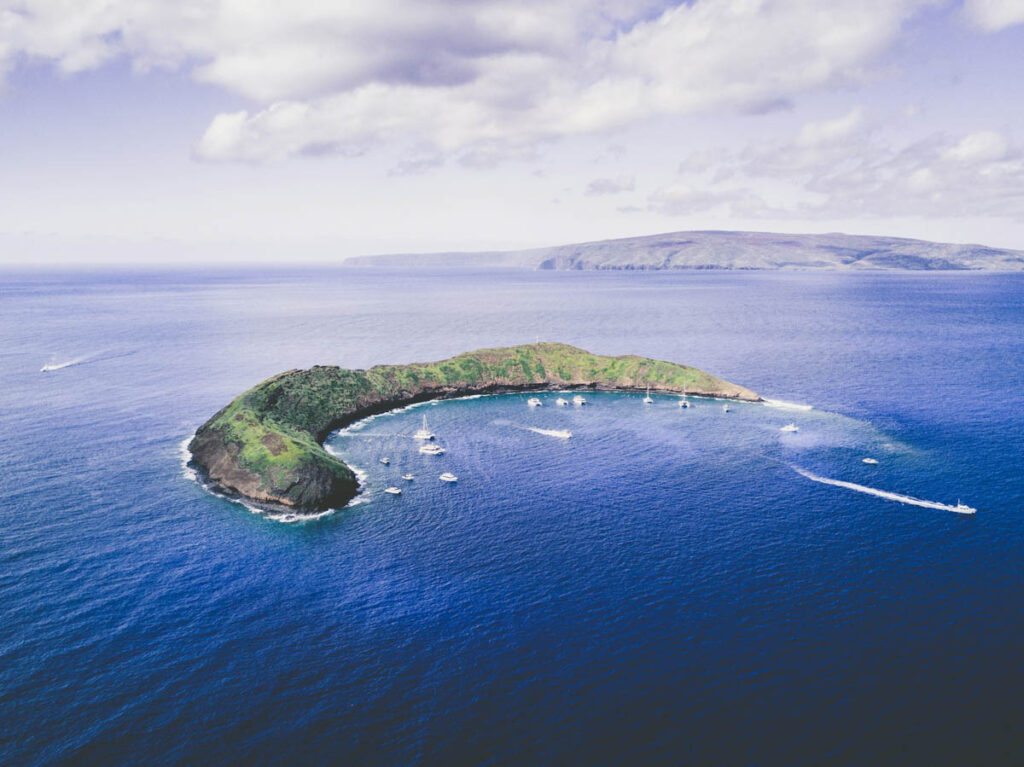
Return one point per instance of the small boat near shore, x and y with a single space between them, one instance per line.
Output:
579 399
534 402
647 397
448 477
725 408
393 490
561 402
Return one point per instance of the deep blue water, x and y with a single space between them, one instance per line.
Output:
661 587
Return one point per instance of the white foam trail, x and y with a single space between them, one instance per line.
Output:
559 433
51 366
783 405
882 493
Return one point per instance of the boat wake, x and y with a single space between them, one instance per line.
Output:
53 365
783 405
959 508
558 433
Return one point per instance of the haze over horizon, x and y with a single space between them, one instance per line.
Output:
215 131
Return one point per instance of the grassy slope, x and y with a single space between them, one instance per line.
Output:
277 425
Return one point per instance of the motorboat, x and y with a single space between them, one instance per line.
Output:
559 433
534 402
408 477
790 428
963 508
423 432
725 408
385 461
393 490
431 449
448 477
869 461
561 402
579 399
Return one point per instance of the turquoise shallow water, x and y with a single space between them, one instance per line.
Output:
662 586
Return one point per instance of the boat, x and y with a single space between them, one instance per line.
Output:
683 402
869 461
790 427
393 490
725 408
561 402
385 461
448 477
963 508
408 477
431 449
534 402
423 432
579 399
647 397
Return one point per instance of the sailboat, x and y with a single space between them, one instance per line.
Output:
423 432
683 402
647 397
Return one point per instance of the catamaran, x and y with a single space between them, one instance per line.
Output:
683 402
423 432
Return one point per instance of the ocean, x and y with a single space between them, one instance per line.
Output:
668 585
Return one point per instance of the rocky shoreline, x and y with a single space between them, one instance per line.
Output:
265 447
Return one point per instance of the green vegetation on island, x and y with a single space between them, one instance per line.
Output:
266 445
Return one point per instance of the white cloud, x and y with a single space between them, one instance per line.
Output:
978 174
500 74
617 185
994 15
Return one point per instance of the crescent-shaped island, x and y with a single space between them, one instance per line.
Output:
266 446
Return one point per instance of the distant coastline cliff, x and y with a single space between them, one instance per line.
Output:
727 250
266 446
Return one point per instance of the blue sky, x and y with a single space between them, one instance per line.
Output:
221 130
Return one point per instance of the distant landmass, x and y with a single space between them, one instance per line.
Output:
726 250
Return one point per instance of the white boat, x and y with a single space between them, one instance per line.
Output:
561 402
534 402
790 427
579 399
393 490
869 461
683 402
385 461
408 477
423 432
963 508
448 477
431 449
647 397
725 408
